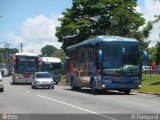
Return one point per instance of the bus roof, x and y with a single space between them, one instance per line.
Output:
98 39
26 54
50 59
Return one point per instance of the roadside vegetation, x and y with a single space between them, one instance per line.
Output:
63 80
150 83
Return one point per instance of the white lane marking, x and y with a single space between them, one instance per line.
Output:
76 107
28 92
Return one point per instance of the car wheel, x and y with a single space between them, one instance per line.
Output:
52 87
32 86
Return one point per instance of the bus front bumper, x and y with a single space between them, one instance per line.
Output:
118 86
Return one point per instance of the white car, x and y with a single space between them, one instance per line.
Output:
147 69
4 72
1 83
42 80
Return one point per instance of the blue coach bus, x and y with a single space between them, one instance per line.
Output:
105 63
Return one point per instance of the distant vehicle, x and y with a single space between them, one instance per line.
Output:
147 69
1 83
158 69
105 63
25 65
42 80
4 71
51 65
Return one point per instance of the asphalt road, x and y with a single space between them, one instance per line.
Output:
22 102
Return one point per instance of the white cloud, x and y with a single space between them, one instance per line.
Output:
150 9
138 8
36 32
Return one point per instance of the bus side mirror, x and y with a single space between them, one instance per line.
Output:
143 56
99 56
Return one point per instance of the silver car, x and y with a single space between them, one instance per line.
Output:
42 80
1 83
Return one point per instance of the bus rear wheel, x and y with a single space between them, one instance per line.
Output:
72 84
127 92
93 87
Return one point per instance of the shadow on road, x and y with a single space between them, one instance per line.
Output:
20 83
88 91
155 83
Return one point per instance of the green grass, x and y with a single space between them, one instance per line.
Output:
63 80
150 83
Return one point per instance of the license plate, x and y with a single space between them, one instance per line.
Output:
45 82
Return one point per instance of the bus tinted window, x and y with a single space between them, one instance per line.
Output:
120 58
26 64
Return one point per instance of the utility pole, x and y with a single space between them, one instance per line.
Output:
8 58
21 45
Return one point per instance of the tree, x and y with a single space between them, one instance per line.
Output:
157 55
157 48
60 54
152 54
48 50
11 51
89 18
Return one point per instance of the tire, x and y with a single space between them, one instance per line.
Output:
127 92
93 87
13 82
32 86
78 88
72 84
2 90
52 87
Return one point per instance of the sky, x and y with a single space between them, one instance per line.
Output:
33 22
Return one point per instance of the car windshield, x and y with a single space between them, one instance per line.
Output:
43 75
120 58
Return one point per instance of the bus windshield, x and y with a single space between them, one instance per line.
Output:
50 67
120 58
26 64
